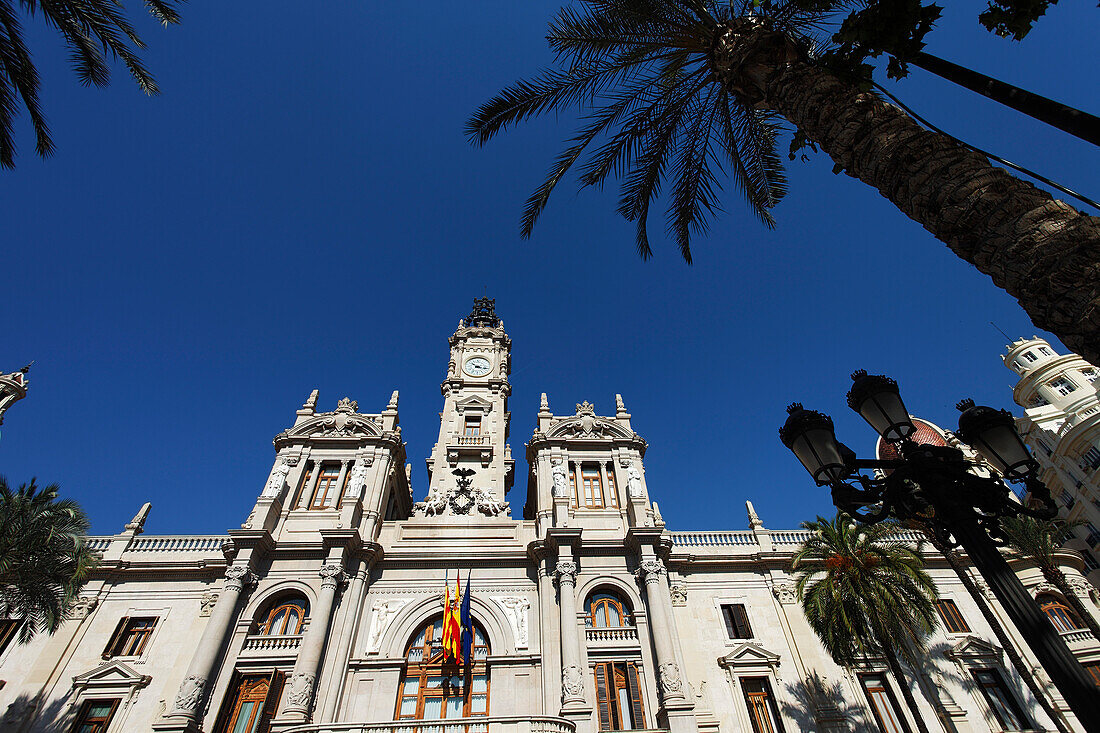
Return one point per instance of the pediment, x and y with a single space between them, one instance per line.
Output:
588 426
475 401
111 674
973 647
336 425
749 654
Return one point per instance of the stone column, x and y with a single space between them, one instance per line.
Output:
656 592
572 679
339 484
189 699
299 692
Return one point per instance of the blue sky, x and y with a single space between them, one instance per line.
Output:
299 209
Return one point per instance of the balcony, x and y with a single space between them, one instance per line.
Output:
613 635
471 440
471 445
517 724
1079 640
271 646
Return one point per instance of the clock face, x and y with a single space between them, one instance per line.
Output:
477 366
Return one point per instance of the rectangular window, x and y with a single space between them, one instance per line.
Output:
1062 386
472 426
1001 702
1091 459
612 489
592 486
883 703
763 713
8 627
95 716
250 703
325 493
1030 356
736 620
130 637
1044 351
952 619
619 696
1090 374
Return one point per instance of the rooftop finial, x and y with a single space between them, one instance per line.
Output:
754 519
137 524
586 408
794 407
311 403
963 405
620 406
393 401
483 314
858 373
544 403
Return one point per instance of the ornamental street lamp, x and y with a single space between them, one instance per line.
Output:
936 487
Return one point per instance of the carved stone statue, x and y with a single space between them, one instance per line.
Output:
516 610
383 613
278 478
634 482
357 481
561 482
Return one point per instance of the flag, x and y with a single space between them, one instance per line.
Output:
467 622
453 626
446 617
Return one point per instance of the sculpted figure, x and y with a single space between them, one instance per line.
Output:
278 476
561 483
633 482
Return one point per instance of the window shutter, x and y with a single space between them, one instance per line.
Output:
635 687
112 645
727 617
274 692
230 701
603 696
741 622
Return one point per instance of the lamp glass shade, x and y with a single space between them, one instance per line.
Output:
993 434
809 435
877 400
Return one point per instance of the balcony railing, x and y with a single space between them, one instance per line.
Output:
178 543
1077 637
274 643
524 724
471 440
618 633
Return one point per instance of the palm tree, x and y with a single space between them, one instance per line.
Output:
864 595
681 91
92 30
44 556
1039 541
994 623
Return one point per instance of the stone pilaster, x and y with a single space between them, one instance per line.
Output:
572 678
676 706
300 684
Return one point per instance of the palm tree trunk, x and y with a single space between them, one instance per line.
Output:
1002 636
1058 579
1068 119
1043 252
895 667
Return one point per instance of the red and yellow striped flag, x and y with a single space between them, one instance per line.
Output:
452 626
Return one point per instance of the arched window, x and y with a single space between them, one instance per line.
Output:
1061 615
432 690
285 617
607 610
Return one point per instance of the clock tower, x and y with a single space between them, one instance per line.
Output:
471 470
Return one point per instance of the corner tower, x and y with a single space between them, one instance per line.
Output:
471 470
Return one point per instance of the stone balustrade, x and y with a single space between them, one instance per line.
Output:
274 643
1077 638
99 544
621 633
177 543
471 440
499 724
782 537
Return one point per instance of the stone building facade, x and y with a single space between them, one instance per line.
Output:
320 613
1060 394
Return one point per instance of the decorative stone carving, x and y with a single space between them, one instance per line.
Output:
1080 586
652 569
190 694
1045 588
634 482
207 603
237 577
357 481
299 690
347 405
331 575
657 518
462 499
586 408
566 571
82 607
620 406
669 676
382 613
137 524
561 481
311 402
754 519
278 477
678 593
516 611
785 592
572 683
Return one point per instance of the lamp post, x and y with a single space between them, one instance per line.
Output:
934 485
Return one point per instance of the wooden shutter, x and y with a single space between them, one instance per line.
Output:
603 695
231 695
109 650
271 702
741 622
634 684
